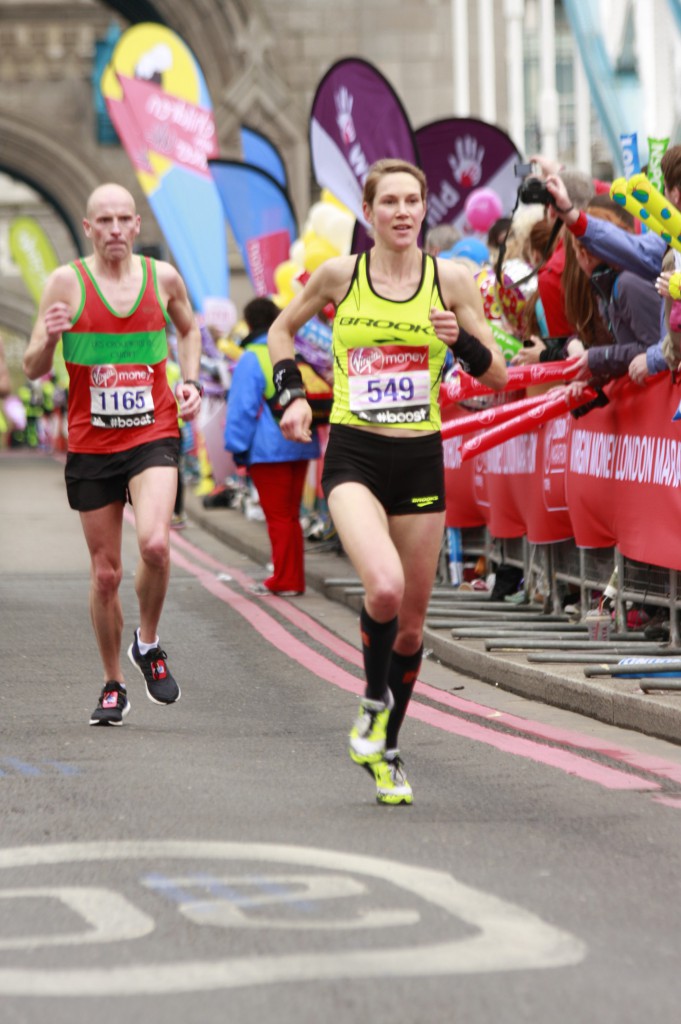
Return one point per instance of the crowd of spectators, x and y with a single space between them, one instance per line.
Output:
594 290
596 287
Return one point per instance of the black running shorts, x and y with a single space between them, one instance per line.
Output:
93 481
406 474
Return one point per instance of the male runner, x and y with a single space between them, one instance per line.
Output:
111 309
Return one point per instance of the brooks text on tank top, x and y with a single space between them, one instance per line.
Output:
118 389
388 361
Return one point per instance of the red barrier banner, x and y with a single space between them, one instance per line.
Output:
559 403
624 472
462 386
526 484
489 417
462 494
516 489
611 477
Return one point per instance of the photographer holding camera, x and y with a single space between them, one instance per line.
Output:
579 188
533 189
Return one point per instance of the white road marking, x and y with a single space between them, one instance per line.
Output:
507 938
233 913
109 915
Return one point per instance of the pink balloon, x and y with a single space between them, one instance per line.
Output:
482 208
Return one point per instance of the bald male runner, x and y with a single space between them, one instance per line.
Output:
111 309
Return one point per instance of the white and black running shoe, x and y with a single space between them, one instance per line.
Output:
113 705
158 679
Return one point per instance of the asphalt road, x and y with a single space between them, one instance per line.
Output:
223 860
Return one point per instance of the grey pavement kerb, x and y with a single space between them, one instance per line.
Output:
619 702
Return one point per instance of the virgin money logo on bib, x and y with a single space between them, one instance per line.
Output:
366 361
104 376
121 376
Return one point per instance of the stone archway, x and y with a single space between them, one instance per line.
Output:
63 176
46 112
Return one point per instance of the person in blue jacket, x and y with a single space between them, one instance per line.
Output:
277 467
641 254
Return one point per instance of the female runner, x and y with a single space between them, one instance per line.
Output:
397 310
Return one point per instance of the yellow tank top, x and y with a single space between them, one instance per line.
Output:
388 361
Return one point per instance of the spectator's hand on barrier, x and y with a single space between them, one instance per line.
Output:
530 352
638 368
296 423
575 388
581 361
445 325
57 320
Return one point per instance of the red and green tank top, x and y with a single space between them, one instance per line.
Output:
118 389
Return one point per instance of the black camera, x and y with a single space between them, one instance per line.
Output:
532 190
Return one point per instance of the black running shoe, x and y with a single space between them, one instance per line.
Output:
113 705
161 687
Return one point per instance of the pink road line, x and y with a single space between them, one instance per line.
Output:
573 764
275 634
668 801
555 734
634 758
271 630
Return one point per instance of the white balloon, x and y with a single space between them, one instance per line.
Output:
339 230
297 252
321 217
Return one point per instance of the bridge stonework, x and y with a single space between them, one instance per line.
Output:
262 60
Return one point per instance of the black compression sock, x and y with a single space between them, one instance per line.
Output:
377 643
402 674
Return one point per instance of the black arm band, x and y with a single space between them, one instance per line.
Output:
469 350
287 376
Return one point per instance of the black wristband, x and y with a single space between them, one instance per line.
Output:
569 209
287 376
197 385
471 351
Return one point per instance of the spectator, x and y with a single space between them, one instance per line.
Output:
277 466
498 234
642 254
549 310
441 238
629 305
578 189
533 327
539 245
469 250
671 343
518 245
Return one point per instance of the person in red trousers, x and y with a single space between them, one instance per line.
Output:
277 466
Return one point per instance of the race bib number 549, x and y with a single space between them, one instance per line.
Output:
389 384
121 396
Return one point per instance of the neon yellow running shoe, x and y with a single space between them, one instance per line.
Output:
367 736
391 782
